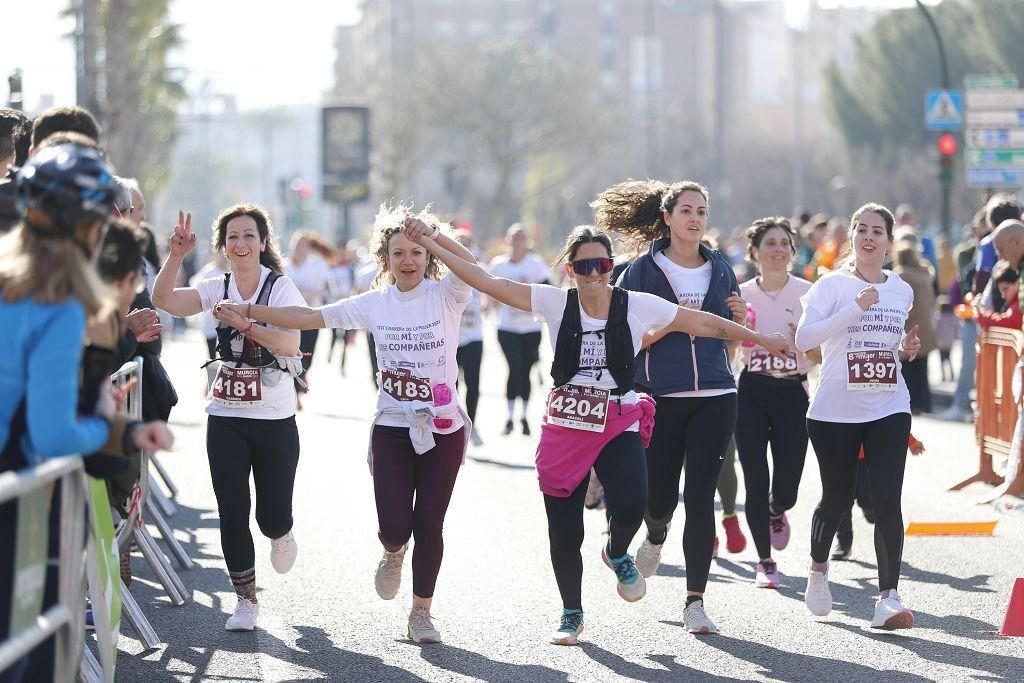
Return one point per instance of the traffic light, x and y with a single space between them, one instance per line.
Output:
947 149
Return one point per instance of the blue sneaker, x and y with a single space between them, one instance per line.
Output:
631 583
569 629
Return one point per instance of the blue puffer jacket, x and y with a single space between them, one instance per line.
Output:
680 362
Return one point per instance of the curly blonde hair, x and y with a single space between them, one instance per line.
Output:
386 224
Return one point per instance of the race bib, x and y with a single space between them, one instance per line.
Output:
401 385
873 370
578 407
763 361
237 387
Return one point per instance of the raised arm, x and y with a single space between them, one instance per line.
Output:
515 294
287 317
181 301
704 324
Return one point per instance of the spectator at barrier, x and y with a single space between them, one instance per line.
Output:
63 119
15 137
947 327
999 209
1007 280
921 278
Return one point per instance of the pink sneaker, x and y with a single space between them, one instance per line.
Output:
767 574
778 528
735 541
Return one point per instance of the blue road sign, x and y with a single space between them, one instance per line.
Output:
995 177
943 109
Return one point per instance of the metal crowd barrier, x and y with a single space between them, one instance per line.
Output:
66 619
133 529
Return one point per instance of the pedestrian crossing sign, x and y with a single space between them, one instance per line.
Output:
943 109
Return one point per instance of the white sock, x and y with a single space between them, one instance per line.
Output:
511 409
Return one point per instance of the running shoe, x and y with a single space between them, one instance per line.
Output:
696 619
283 552
890 614
244 618
526 427
569 629
474 436
389 573
778 530
631 584
648 557
421 627
842 552
735 541
818 597
508 428
767 574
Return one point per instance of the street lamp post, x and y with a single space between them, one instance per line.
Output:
945 174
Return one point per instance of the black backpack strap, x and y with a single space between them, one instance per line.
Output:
227 279
619 308
571 314
268 285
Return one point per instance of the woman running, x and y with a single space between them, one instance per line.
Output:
419 434
857 314
690 379
471 346
251 402
518 332
594 418
772 398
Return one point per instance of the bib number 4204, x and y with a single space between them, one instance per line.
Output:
578 407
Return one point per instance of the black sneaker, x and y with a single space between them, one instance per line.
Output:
508 428
526 427
841 552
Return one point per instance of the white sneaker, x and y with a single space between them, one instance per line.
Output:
569 629
421 627
283 552
696 619
818 597
474 437
648 557
389 573
244 618
890 614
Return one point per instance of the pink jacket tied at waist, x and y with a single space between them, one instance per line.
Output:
564 455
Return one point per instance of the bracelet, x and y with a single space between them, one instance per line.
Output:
437 231
248 311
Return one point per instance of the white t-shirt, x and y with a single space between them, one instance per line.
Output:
647 313
529 270
771 314
312 278
690 286
833 319
471 328
278 388
415 333
210 271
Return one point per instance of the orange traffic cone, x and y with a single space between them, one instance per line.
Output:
1013 624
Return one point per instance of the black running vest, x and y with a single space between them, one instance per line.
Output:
252 353
618 343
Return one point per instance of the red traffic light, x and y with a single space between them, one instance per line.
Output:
946 145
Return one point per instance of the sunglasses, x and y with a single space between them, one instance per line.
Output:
585 266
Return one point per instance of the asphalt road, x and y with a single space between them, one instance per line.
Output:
496 599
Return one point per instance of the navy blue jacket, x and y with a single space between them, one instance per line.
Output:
678 361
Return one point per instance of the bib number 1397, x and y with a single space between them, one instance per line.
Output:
871 370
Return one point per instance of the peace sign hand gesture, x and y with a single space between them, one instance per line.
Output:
182 239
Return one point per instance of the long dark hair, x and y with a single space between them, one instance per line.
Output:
634 208
269 257
759 228
580 235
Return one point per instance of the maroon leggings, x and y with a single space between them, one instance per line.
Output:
399 477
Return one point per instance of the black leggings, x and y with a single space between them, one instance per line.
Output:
622 469
844 533
468 356
521 351
412 492
307 346
691 433
270 449
771 411
837 446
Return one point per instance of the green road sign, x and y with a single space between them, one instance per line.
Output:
995 157
990 81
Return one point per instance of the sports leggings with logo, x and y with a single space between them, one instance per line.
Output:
412 494
690 433
770 411
837 446
623 473
269 449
